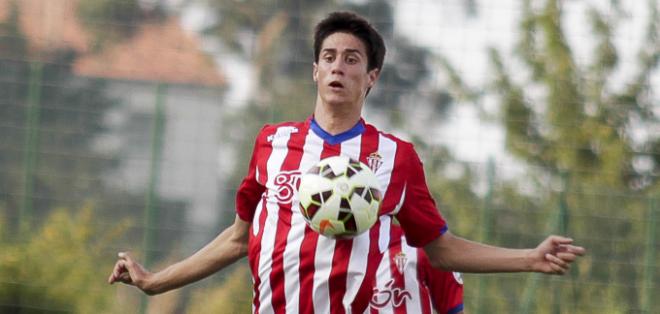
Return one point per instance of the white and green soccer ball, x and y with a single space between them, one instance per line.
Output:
339 197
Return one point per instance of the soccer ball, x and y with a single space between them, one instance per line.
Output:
339 197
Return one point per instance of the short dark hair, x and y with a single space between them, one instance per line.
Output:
351 23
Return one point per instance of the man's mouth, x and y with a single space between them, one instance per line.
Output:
336 84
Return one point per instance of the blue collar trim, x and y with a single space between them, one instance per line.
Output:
336 139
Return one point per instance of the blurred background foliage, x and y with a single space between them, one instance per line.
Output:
59 266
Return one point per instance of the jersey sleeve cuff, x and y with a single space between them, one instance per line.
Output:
456 309
426 239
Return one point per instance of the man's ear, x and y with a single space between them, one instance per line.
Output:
373 77
315 72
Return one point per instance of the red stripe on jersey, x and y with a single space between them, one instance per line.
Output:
369 143
306 274
446 293
337 280
308 252
254 241
424 292
399 297
395 188
291 162
338 277
341 255
251 188
254 247
366 291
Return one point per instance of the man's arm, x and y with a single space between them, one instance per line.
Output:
553 256
228 247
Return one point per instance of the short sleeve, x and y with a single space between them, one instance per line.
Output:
250 191
419 217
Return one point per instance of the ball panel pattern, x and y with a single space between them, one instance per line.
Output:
339 197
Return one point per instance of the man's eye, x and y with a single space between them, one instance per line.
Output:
351 60
328 58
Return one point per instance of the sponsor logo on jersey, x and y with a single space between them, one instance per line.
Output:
282 132
374 161
400 261
286 185
389 295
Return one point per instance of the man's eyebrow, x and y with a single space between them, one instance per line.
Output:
350 50
357 51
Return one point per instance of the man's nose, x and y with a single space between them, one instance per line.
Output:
338 67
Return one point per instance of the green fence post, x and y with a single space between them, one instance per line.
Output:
151 199
31 144
486 230
647 303
562 228
560 224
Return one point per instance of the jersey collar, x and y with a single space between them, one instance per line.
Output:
338 138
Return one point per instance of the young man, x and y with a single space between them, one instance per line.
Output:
295 270
406 282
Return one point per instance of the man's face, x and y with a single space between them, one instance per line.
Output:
341 74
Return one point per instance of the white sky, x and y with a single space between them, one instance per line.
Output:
444 27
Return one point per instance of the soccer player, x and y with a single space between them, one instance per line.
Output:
296 270
406 282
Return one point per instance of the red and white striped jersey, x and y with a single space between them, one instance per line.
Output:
406 283
294 269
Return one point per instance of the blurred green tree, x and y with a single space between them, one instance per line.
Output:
112 20
234 296
574 124
62 266
49 120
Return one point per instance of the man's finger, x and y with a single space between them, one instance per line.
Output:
556 260
559 240
567 257
558 269
125 278
117 270
554 269
577 250
120 267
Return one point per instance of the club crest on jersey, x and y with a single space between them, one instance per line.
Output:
374 161
282 132
400 260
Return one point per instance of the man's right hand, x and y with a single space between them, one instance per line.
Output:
130 272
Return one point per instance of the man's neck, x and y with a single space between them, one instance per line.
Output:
334 120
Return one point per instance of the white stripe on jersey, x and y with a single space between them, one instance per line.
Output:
357 268
257 212
325 249
414 305
312 148
273 167
357 263
384 234
383 276
403 197
255 218
387 149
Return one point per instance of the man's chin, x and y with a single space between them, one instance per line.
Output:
337 101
